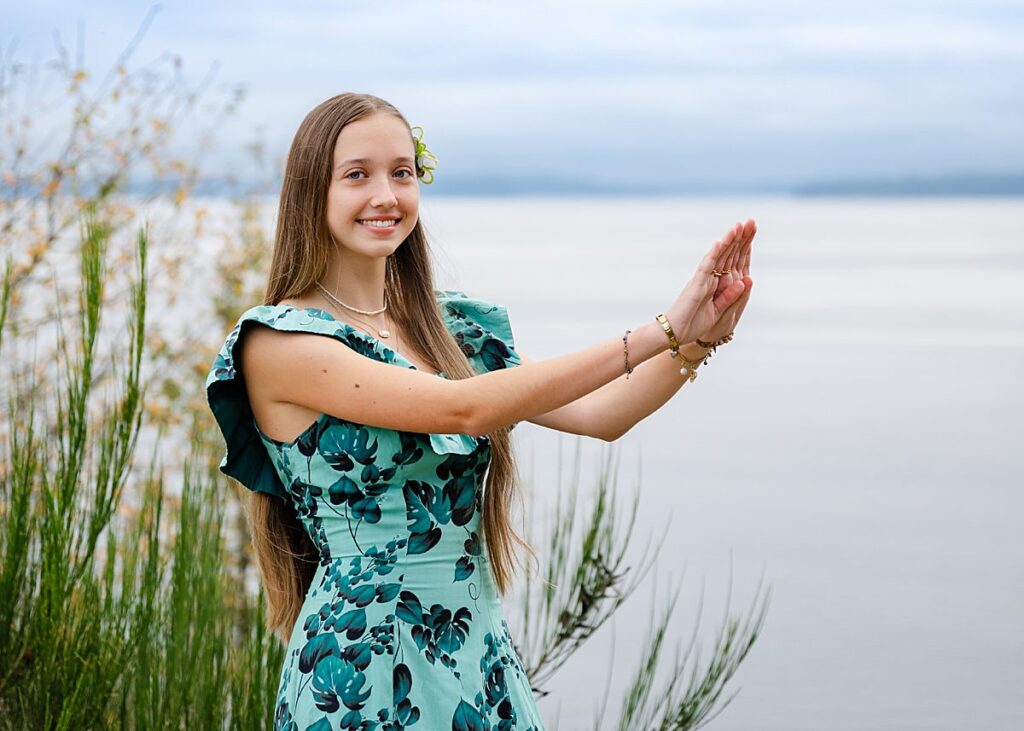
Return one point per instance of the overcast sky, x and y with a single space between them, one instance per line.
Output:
715 93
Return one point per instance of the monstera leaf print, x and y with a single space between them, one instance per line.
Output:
317 649
336 681
423 531
345 441
449 629
438 632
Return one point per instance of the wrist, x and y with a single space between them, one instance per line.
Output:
692 351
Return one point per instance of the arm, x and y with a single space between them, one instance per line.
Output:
615 408
320 373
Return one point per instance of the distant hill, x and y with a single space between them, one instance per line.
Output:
954 185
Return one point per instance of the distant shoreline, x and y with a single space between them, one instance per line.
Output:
959 186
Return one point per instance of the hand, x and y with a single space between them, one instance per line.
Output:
703 302
739 271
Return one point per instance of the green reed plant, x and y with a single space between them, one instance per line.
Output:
584 580
62 616
119 607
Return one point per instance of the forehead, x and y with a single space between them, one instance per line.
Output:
376 136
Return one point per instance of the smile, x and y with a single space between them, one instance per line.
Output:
387 223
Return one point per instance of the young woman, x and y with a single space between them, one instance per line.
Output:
370 415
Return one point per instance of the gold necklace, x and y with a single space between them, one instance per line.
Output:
393 348
350 307
384 332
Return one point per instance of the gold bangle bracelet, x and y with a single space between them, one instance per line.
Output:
672 342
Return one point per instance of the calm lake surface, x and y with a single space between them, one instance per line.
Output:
857 445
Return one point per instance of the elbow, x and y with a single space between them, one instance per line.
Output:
471 419
475 424
610 437
473 429
615 435
479 422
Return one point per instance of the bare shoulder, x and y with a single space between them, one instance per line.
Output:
279 419
260 348
322 374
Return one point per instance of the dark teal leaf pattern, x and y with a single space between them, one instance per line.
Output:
467 718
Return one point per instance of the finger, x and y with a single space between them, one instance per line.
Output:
729 297
728 279
745 234
741 303
728 241
736 239
745 260
743 293
735 249
710 260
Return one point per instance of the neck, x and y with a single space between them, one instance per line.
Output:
358 281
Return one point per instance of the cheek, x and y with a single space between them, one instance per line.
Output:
338 205
411 198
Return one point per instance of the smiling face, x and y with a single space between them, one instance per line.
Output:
374 177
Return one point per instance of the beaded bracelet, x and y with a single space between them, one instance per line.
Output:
625 353
714 346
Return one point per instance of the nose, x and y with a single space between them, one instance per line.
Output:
383 196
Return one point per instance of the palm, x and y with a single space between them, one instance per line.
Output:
720 319
710 303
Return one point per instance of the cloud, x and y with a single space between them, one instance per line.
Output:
784 89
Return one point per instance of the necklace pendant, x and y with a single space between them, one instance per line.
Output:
384 333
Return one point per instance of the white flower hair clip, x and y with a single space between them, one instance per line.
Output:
425 160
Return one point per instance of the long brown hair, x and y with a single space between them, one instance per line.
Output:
285 554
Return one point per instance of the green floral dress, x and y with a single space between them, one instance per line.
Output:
402 626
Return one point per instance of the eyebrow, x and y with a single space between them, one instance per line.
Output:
364 161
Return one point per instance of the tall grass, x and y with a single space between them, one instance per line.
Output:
118 606
584 581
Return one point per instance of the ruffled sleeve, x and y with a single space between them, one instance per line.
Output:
246 458
482 329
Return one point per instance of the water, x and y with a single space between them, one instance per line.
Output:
857 444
